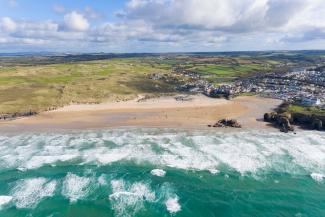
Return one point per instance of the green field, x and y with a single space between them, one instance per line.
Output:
306 110
230 70
225 73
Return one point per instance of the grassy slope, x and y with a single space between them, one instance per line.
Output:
39 87
306 110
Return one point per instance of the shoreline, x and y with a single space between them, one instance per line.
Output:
162 112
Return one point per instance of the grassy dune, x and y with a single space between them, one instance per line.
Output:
24 88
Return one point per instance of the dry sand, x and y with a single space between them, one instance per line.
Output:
157 112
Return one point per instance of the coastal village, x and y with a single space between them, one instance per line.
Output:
305 87
302 87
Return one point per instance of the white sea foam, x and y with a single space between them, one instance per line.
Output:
245 151
102 180
214 171
38 161
75 187
317 177
158 172
112 155
127 199
4 201
28 193
173 205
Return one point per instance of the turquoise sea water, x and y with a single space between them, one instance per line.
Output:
155 172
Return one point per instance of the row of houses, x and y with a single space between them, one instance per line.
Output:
303 87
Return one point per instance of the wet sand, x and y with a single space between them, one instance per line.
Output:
158 112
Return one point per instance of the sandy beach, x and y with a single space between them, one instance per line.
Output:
196 112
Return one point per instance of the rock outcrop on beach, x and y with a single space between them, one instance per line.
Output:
15 115
284 124
309 121
227 123
317 124
282 121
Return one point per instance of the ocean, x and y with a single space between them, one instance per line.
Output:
162 172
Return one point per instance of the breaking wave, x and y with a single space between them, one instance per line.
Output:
158 172
121 166
28 193
75 187
245 152
128 199
4 201
173 205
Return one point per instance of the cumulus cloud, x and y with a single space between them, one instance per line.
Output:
230 15
34 32
75 21
7 24
185 25
232 19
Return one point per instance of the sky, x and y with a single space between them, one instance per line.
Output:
127 26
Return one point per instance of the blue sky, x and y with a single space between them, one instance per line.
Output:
160 25
44 9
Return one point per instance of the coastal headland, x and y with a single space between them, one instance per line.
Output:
191 111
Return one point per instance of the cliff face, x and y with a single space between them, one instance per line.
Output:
283 118
309 121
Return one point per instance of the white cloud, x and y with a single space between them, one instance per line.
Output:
185 25
7 24
230 15
232 21
34 33
75 21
